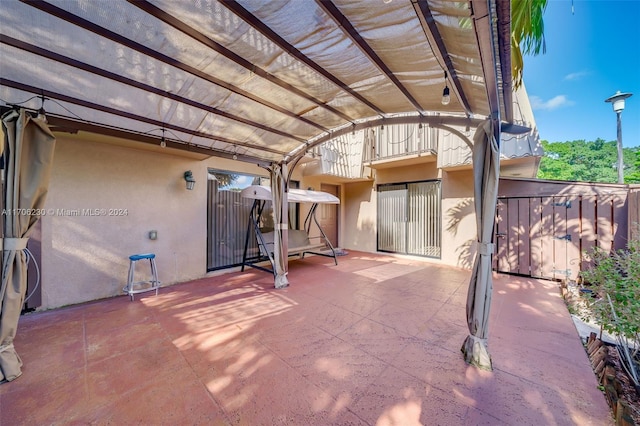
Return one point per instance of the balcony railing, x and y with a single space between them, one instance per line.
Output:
401 140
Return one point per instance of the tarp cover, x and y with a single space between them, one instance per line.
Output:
257 78
486 172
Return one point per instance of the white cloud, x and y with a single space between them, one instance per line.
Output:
553 103
576 75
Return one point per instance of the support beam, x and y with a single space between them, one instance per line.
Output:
486 172
128 115
10 41
232 56
110 35
256 23
430 120
435 39
333 11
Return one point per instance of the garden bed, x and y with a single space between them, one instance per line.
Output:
620 383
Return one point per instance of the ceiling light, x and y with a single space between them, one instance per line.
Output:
446 98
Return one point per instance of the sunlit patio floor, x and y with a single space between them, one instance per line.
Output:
374 340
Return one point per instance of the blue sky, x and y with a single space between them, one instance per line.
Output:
590 55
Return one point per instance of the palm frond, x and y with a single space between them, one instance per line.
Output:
527 33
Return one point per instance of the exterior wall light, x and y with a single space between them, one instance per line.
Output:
188 177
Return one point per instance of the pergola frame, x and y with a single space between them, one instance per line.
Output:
273 92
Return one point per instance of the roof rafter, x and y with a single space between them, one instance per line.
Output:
133 83
503 12
125 114
342 21
101 129
222 50
434 37
103 32
483 18
256 23
437 121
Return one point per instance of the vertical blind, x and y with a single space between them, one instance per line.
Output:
409 218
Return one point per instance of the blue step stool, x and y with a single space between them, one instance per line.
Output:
135 287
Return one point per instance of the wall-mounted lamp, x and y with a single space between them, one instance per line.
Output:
188 177
446 98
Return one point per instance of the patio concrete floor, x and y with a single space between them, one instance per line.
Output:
374 340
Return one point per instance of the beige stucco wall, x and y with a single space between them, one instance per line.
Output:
459 226
411 173
86 257
458 219
359 218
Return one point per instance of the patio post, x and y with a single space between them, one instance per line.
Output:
486 172
281 227
27 160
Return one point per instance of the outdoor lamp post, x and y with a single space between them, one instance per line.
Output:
617 101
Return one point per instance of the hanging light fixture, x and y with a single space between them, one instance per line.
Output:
163 143
446 98
41 112
188 177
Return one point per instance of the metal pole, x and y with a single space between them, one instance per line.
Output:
3 168
620 156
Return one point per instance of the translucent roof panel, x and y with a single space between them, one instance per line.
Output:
263 77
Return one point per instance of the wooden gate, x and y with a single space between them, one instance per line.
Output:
547 236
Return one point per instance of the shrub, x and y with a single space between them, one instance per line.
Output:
615 277
617 274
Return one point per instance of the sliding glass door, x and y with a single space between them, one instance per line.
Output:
228 218
409 218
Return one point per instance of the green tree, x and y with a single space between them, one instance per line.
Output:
634 176
583 161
